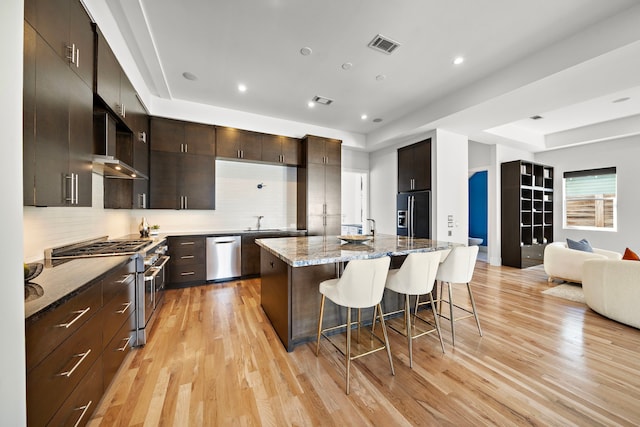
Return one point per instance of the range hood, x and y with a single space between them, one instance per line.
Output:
112 148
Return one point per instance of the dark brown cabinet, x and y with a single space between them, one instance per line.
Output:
238 144
58 128
66 28
319 187
74 349
414 167
527 212
182 165
188 262
281 149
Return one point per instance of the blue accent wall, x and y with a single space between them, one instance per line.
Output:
478 206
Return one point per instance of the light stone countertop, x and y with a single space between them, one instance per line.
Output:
314 250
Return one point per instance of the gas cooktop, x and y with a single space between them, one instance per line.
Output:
96 248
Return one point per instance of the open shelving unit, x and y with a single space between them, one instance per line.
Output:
527 212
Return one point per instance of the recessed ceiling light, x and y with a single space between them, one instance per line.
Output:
380 77
242 88
311 104
626 98
347 65
306 51
458 60
377 120
363 117
189 76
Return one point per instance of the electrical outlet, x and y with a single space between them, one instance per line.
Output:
450 233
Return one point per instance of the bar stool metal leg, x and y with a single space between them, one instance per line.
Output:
348 350
473 306
453 331
386 339
320 325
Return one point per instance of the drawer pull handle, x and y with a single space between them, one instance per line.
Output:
188 243
187 257
124 347
79 313
82 356
188 273
84 410
125 278
126 307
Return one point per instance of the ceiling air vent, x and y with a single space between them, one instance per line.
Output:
383 44
322 100
536 117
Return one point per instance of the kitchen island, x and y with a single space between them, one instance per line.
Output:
291 269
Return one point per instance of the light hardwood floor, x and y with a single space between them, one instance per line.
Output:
214 360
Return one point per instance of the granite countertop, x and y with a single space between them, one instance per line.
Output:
314 250
57 284
213 233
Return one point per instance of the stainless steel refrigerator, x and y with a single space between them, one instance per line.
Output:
414 214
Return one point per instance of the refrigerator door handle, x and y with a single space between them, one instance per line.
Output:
411 213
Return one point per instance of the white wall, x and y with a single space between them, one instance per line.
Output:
623 154
383 179
12 384
450 187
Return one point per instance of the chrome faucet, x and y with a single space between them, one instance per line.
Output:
373 227
259 218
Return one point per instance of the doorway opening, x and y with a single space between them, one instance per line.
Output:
355 202
478 212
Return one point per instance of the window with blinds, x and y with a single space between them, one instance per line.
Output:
590 199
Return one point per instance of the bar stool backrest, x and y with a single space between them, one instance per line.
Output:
362 282
417 273
459 265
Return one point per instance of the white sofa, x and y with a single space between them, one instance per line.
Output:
565 264
612 288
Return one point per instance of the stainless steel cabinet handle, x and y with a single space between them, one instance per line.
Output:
72 57
84 410
187 243
187 257
125 278
76 187
77 58
188 273
126 307
82 356
79 313
186 202
124 347
186 148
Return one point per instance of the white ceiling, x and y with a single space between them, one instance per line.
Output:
564 60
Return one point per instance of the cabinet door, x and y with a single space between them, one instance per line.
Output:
405 169
332 190
422 165
333 151
315 150
167 135
82 39
315 189
197 181
227 143
52 23
80 138
52 183
163 171
129 103
290 151
251 145
272 149
107 75
29 116
200 139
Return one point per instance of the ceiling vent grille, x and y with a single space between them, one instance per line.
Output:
536 117
322 100
383 44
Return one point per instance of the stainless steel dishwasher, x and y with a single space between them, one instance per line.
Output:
223 257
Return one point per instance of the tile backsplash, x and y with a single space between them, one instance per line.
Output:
239 201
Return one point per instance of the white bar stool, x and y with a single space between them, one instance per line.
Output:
361 286
458 268
416 276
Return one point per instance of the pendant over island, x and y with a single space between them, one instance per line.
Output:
292 268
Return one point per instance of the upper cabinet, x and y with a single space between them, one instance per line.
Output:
239 144
58 110
182 165
113 86
323 150
414 167
65 26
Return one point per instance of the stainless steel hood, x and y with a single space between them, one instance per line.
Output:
108 141
111 167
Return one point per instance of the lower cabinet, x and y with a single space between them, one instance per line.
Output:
188 263
74 350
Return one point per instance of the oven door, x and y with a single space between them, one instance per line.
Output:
154 278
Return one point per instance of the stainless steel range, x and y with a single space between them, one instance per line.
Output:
150 259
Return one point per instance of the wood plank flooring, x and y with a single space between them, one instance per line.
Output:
213 359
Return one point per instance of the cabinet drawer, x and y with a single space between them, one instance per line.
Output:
123 278
53 380
77 409
179 246
44 334
535 252
117 311
187 273
116 350
187 259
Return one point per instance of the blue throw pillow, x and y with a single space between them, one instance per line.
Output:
582 245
